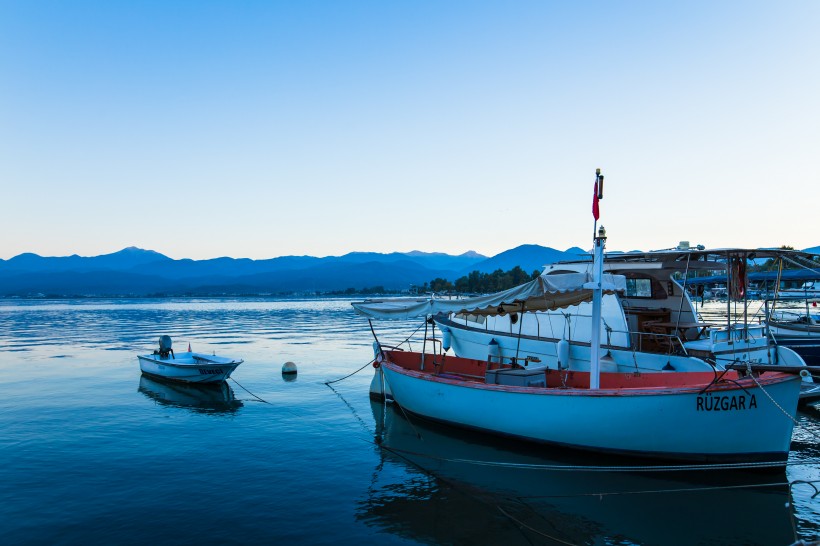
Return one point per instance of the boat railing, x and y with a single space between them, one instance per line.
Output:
653 340
657 342
500 361
641 341
204 360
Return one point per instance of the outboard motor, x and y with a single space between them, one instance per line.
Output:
165 345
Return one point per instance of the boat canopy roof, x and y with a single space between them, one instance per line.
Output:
695 258
544 293
786 275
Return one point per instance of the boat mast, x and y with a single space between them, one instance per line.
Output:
599 239
597 294
729 293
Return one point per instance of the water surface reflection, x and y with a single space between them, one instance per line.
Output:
461 487
196 397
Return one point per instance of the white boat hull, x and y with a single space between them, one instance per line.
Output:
473 343
735 422
726 346
797 294
189 367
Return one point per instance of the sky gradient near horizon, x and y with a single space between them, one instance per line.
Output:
259 129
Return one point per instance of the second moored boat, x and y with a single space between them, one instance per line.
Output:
189 367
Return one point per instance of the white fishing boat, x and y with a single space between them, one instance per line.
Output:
799 330
562 389
809 289
188 366
795 325
695 416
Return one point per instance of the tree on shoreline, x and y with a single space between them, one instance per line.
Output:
477 282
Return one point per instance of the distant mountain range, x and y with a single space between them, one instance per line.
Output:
137 272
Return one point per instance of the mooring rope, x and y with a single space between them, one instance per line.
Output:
406 340
599 468
351 374
533 529
773 401
414 332
249 392
790 485
406 417
653 491
812 483
352 409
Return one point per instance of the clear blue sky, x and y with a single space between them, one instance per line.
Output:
266 128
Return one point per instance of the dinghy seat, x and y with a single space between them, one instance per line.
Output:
663 340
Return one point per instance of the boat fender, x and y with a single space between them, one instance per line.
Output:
563 354
493 350
445 339
608 364
377 364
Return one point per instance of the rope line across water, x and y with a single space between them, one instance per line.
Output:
594 468
249 392
773 401
351 374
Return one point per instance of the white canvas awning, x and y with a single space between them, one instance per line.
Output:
544 293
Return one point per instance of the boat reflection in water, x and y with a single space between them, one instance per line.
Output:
425 489
197 397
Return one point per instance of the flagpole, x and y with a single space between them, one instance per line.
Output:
597 296
599 240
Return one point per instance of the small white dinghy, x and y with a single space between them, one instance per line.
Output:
189 367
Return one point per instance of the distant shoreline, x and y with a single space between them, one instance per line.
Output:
293 296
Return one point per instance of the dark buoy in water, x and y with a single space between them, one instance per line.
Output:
289 368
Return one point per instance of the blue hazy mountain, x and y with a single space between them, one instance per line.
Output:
528 257
327 277
123 260
430 260
137 272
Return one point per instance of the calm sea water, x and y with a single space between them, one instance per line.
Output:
94 453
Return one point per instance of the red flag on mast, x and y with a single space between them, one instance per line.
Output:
598 193
595 212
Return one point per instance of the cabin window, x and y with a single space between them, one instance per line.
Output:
639 288
642 286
